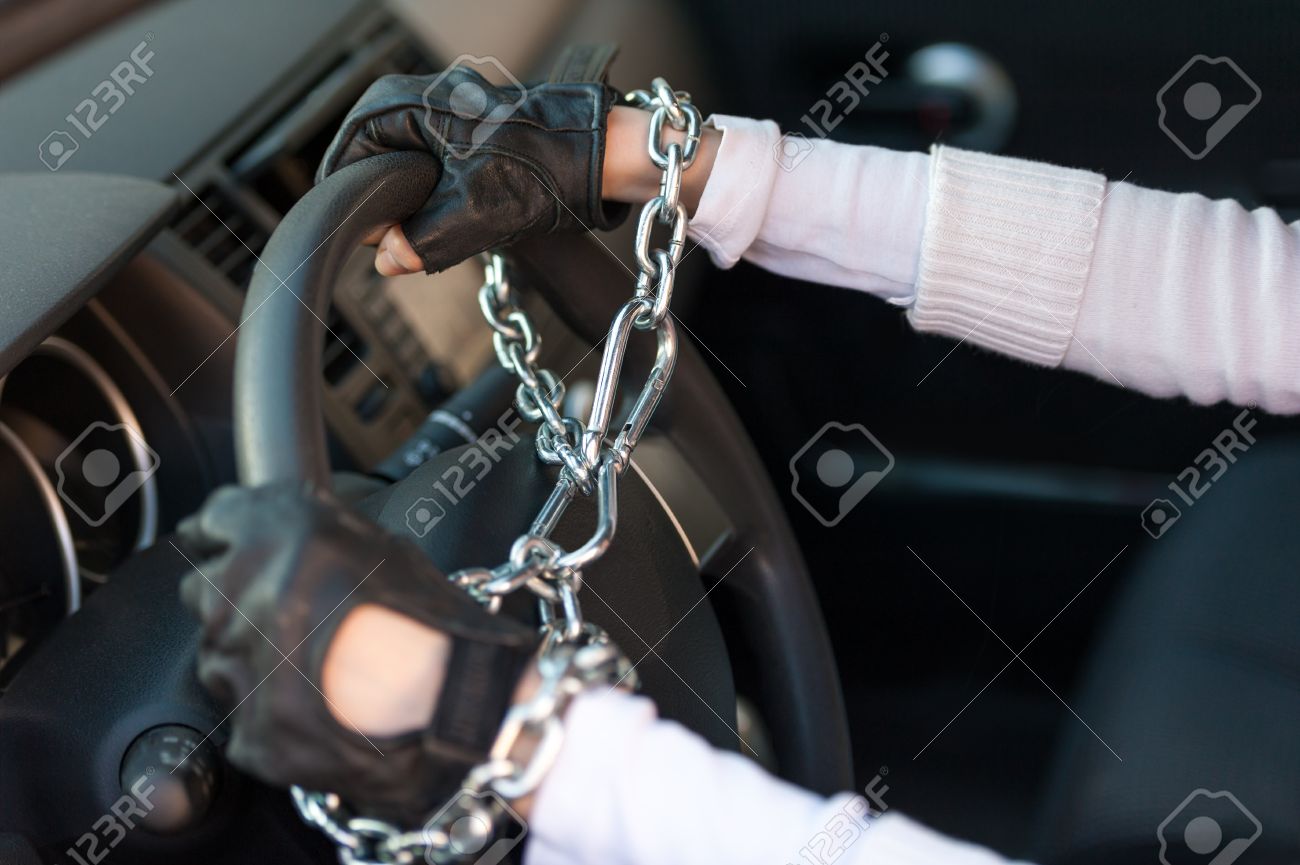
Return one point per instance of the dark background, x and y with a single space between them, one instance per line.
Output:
978 440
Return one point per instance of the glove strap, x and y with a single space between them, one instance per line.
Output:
589 64
584 64
476 694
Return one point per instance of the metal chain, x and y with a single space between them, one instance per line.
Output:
565 669
575 654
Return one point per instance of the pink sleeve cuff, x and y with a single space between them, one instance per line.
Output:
734 202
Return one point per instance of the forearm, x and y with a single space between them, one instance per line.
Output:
1166 294
1193 297
1171 295
631 789
823 212
623 776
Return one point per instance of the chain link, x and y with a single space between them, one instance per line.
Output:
575 654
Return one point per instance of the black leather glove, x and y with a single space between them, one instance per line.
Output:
280 569
516 163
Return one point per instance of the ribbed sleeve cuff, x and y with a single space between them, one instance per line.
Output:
1006 252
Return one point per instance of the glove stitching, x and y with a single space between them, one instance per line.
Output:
444 133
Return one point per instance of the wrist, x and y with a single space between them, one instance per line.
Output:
629 176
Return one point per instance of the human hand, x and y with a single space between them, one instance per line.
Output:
282 576
627 175
515 164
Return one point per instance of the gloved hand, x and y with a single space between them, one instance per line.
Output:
279 570
515 163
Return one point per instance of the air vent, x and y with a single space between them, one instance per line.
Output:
344 348
267 168
231 247
280 161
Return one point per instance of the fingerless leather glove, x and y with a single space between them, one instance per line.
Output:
515 162
278 570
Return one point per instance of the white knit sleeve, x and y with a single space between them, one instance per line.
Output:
1193 297
630 789
824 212
1171 295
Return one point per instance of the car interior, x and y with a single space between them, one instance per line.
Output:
965 636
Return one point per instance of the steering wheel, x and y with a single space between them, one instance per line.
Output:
97 684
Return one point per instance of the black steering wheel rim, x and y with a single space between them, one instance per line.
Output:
279 421
280 430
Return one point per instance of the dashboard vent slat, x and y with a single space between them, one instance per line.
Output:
344 348
220 231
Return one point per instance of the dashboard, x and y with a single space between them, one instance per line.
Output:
150 165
